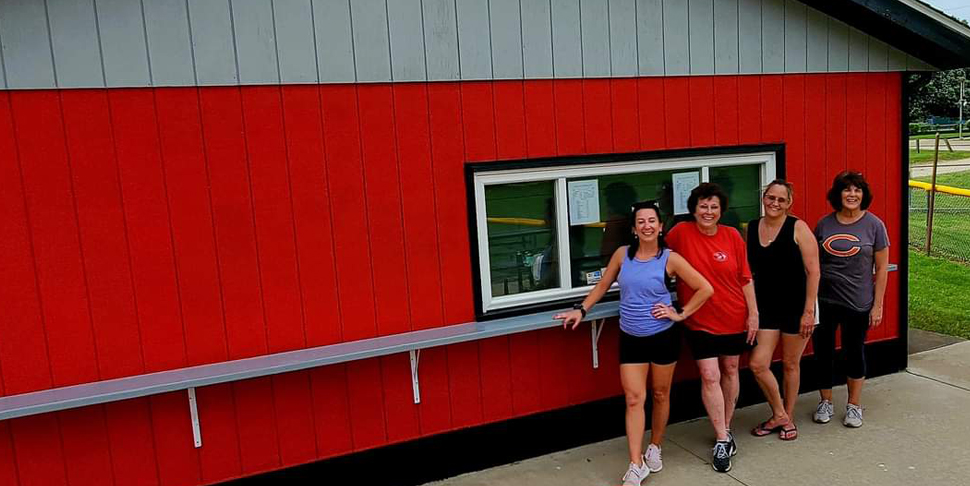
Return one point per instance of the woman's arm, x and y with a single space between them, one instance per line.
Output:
677 265
882 275
809 249
752 303
575 316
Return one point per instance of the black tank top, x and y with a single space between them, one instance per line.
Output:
779 273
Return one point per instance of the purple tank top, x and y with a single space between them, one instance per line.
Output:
641 286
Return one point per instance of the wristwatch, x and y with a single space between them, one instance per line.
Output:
580 308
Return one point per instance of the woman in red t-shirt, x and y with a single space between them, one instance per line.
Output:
718 332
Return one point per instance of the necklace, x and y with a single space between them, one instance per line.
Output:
766 232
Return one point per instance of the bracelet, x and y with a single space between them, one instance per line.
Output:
580 308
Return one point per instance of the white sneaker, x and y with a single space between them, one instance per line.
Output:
635 474
824 412
853 416
653 459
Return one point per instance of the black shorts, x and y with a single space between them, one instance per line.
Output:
662 348
705 345
787 325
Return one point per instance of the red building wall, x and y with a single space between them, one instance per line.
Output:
151 229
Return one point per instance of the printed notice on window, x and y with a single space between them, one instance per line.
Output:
584 202
684 182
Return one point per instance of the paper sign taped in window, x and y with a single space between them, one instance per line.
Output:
584 202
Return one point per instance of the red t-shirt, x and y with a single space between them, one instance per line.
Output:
722 259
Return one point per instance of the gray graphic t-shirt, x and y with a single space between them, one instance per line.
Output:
846 258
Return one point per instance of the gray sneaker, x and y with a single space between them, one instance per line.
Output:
853 416
635 474
824 412
653 458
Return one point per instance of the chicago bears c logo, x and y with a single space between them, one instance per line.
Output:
852 250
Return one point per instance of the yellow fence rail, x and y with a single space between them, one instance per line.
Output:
926 186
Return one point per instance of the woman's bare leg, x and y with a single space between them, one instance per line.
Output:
633 378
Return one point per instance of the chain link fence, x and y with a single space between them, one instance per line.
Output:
949 235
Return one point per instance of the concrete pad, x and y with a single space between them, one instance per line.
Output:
950 364
600 464
915 432
920 340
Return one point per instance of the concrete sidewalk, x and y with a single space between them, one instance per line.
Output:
916 432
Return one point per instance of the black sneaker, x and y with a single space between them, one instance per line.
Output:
732 446
720 458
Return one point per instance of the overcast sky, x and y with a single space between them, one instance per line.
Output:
957 8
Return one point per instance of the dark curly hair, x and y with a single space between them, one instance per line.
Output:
634 242
844 180
704 191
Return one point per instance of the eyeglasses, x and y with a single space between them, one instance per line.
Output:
779 200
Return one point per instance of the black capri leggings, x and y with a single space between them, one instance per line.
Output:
855 325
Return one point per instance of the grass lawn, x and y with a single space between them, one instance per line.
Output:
942 135
926 156
951 220
952 179
937 295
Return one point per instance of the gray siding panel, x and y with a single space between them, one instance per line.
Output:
914 64
372 49
858 50
169 43
595 29
407 40
700 26
74 35
726 37
623 37
676 39
536 38
212 42
506 31
567 46
474 41
838 46
897 59
878 55
255 36
123 46
773 35
650 37
818 41
335 43
441 40
796 40
26 45
749 36
294 40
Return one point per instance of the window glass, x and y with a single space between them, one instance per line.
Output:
592 244
742 184
522 250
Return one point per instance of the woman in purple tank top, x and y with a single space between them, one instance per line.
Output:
649 337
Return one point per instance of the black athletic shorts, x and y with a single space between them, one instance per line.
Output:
705 345
662 348
787 325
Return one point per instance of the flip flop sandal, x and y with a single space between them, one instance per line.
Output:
788 434
762 429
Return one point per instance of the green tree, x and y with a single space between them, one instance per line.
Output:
940 96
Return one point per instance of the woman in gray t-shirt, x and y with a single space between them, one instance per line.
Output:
853 245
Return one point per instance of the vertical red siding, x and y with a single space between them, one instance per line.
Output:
152 229
152 252
24 362
187 187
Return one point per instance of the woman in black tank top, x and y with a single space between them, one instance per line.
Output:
783 256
